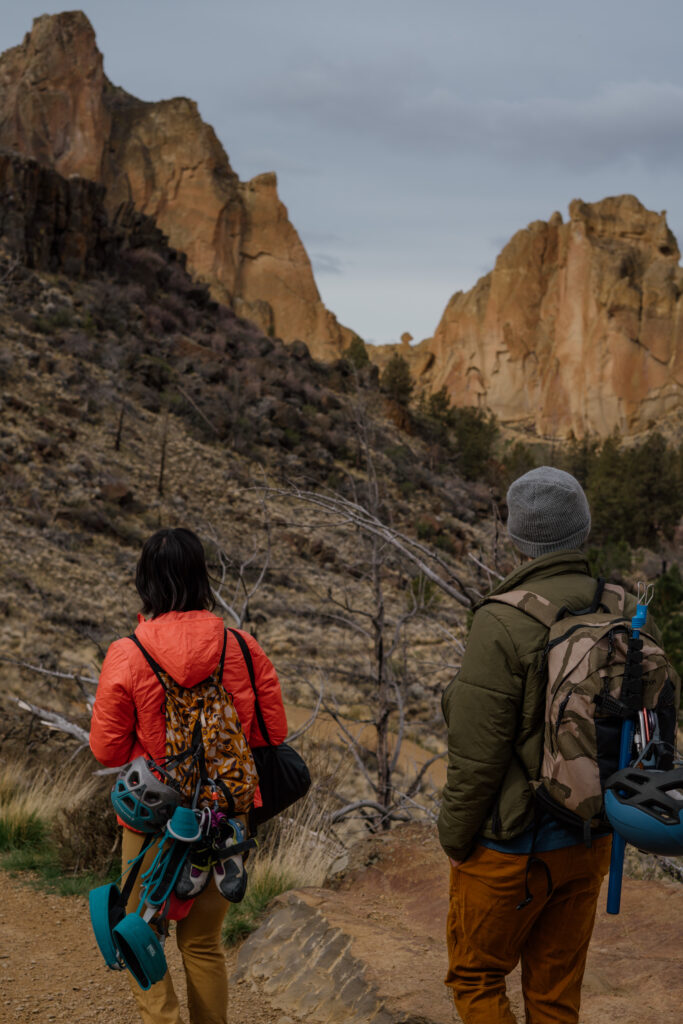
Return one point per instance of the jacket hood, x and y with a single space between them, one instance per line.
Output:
187 645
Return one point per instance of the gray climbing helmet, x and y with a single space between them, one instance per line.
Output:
141 799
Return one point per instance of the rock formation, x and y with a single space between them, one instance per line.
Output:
53 223
578 329
57 106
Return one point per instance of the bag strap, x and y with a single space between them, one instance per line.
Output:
531 604
246 653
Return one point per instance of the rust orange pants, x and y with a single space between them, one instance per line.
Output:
487 936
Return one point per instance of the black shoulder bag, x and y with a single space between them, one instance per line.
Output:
283 775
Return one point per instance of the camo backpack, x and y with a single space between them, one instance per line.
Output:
587 657
207 754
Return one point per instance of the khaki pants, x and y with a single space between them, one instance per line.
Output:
199 941
487 936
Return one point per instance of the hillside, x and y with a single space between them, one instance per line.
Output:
131 400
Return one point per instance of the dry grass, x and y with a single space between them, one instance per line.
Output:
66 816
30 800
295 850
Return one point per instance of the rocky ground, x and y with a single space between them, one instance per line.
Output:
370 949
51 969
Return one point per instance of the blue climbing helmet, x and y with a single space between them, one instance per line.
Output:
646 808
141 799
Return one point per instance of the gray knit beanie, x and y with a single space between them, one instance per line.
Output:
547 511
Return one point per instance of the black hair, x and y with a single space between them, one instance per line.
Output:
171 574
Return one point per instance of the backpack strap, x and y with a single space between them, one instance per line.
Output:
155 666
531 604
246 653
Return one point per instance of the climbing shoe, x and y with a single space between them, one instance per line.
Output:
194 874
229 871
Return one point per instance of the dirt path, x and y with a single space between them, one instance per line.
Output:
51 969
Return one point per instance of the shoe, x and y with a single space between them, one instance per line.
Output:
229 871
194 875
230 876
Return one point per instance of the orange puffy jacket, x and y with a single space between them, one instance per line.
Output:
128 717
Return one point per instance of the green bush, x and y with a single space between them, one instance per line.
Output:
465 433
635 493
612 558
475 432
517 460
667 608
356 353
396 381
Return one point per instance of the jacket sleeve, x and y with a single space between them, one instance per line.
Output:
269 699
112 731
481 707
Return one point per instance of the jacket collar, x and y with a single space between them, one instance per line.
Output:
557 563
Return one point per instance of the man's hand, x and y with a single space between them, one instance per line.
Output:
455 863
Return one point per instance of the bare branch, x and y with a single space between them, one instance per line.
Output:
76 677
225 606
417 781
198 411
671 867
412 549
352 745
386 812
349 623
451 636
487 570
336 717
307 725
54 721
401 726
404 798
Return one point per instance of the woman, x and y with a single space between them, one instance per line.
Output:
178 630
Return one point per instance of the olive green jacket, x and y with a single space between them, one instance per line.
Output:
495 706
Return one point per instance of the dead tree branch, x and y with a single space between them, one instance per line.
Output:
55 721
354 514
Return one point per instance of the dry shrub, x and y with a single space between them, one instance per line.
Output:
299 845
84 831
34 803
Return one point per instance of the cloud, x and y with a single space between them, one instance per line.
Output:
325 263
399 106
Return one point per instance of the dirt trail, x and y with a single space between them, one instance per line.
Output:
51 969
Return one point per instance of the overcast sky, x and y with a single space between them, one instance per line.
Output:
411 140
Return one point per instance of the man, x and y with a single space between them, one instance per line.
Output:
523 886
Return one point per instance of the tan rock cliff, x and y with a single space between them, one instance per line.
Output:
57 106
579 327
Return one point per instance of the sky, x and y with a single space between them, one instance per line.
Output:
411 140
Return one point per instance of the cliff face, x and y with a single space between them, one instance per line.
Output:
61 224
579 327
58 107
